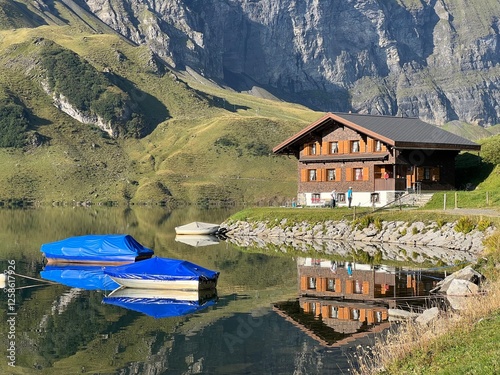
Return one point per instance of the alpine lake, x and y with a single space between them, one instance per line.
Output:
257 322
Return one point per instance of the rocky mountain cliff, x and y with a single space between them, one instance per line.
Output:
435 59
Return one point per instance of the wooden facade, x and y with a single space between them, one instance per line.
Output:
336 153
351 281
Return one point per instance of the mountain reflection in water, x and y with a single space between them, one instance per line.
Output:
273 312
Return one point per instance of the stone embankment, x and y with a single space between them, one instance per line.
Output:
398 232
397 240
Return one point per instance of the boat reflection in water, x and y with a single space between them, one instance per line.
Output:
162 303
198 240
82 276
343 301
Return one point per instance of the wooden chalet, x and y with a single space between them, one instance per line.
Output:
380 157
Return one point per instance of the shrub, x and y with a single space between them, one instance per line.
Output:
464 225
483 224
490 150
414 230
13 124
440 222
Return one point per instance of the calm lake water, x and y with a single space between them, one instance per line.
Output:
256 323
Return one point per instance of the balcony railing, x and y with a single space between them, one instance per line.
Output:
390 184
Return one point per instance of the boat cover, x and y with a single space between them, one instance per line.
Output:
158 268
96 247
160 307
79 276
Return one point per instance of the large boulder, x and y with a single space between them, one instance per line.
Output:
467 273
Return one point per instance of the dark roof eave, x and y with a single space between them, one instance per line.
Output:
431 146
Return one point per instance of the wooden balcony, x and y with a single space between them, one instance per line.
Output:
390 184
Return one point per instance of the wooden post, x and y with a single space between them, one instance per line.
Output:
456 200
444 202
354 213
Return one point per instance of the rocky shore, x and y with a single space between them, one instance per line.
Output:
396 240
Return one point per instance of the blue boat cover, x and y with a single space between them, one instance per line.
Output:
96 247
158 268
159 307
79 276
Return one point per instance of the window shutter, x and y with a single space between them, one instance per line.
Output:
338 174
348 174
366 287
338 286
303 283
304 175
321 174
325 148
370 145
362 146
325 311
366 174
341 147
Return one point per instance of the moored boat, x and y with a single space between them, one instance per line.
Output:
164 273
197 227
96 249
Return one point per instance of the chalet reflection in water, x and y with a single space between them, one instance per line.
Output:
341 301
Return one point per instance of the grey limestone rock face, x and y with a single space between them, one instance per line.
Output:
437 60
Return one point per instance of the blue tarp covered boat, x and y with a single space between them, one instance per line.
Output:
90 277
96 248
162 303
164 273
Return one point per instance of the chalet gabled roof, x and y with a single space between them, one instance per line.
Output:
400 132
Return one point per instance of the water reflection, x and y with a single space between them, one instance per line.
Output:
162 303
89 277
341 301
275 311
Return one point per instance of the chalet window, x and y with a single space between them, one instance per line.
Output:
355 146
334 311
378 146
331 175
334 147
358 174
341 197
355 314
311 283
358 287
330 286
313 148
316 198
312 175
427 173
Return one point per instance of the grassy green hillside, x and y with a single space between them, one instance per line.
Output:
205 143
190 140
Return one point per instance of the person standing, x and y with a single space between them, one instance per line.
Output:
334 198
349 196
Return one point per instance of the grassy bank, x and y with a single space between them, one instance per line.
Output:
461 343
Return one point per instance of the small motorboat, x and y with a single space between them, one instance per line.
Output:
163 273
162 303
96 249
197 227
82 276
